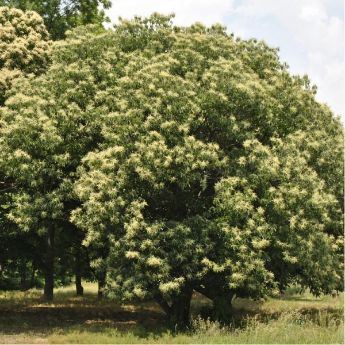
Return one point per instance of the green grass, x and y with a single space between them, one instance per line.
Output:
291 319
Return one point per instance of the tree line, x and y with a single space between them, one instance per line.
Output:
161 160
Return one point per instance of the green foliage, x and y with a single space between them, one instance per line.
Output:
210 173
24 46
47 127
196 157
60 16
277 206
24 52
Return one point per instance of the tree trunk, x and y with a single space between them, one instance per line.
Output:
78 272
222 308
23 276
178 311
32 279
101 283
49 265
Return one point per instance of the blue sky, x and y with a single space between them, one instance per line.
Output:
309 33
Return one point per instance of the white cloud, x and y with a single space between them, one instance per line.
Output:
312 13
309 32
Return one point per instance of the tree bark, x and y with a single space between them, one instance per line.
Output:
23 276
78 272
222 307
162 303
178 312
49 265
179 315
101 283
32 278
221 299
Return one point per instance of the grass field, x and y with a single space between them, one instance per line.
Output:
292 319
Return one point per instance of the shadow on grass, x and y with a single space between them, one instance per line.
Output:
70 313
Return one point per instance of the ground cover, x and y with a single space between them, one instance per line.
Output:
291 319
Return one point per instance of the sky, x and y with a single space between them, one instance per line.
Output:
309 33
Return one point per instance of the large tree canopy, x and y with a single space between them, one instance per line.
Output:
194 157
60 16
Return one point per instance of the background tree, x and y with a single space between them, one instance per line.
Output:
24 51
24 46
44 137
60 16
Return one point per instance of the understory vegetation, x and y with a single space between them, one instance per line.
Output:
291 319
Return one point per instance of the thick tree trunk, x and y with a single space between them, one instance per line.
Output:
221 299
222 307
78 272
178 311
101 283
49 266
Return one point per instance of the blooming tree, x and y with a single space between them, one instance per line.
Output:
24 46
215 174
195 156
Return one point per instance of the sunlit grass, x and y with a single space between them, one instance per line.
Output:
291 319
290 328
